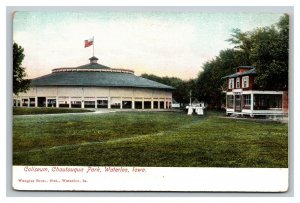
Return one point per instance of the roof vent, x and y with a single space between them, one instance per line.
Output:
93 60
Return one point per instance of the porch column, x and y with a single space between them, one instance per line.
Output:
143 101
152 106
133 106
226 103
35 101
233 102
121 103
46 102
28 102
21 104
82 102
252 104
56 103
70 102
82 99
165 105
95 102
108 102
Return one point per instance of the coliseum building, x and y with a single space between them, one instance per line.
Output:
95 86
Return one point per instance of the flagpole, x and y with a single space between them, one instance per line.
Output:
190 97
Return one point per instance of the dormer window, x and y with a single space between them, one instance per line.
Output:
237 83
245 82
231 83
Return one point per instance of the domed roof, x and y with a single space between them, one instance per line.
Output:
93 65
96 75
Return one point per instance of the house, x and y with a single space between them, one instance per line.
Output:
94 85
242 98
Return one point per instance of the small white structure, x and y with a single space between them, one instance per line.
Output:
197 107
175 104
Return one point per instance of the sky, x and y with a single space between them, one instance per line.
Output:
173 44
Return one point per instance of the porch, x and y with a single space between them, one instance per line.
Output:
254 103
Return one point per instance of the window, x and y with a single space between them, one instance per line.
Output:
75 102
245 83
89 104
126 104
230 100
237 83
161 105
102 103
32 102
63 102
155 104
231 83
246 101
51 102
147 104
25 102
138 104
267 101
115 102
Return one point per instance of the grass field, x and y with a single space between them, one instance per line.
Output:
30 111
156 139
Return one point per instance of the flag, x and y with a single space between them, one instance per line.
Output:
88 42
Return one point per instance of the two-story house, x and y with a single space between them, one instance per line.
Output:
243 99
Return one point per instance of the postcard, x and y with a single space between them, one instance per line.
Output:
150 100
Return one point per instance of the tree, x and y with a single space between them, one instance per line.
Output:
210 84
182 88
19 83
267 50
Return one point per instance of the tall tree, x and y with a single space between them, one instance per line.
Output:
267 50
210 84
20 84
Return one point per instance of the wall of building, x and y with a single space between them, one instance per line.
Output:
95 91
250 86
70 95
285 101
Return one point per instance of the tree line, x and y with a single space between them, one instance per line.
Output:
265 48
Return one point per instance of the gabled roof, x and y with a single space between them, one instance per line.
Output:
195 101
174 101
249 72
249 67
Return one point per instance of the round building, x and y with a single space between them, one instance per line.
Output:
95 86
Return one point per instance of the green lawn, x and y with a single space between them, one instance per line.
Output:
30 111
148 139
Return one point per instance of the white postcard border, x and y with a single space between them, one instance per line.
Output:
105 178
273 179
